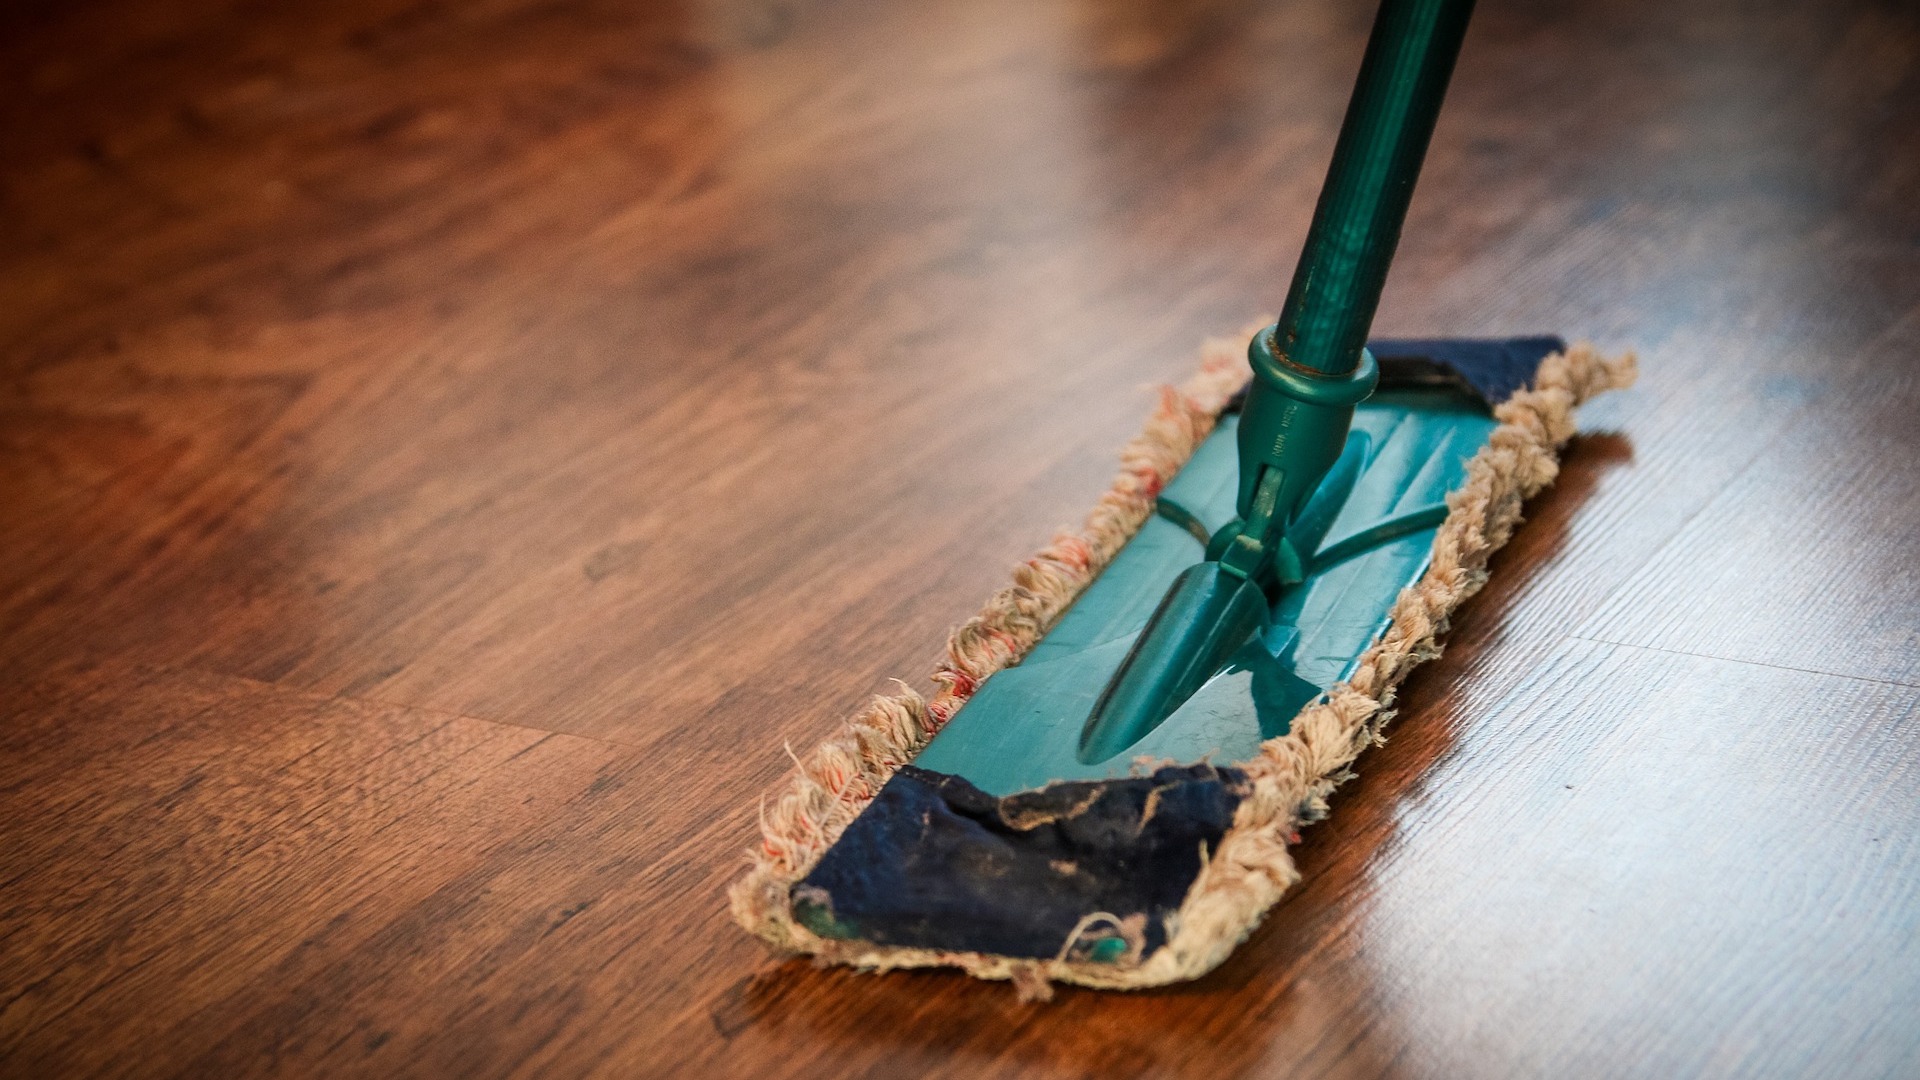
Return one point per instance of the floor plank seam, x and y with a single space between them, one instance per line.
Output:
428 710
1748 663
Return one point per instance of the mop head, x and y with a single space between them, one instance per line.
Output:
1217 837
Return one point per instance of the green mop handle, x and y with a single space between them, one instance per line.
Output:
1310 370
1370 182
1311 367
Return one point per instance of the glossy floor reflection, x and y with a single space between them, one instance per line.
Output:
446 453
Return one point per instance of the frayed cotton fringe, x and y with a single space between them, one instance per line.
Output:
1293 773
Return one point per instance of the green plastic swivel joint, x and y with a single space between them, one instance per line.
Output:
1292 429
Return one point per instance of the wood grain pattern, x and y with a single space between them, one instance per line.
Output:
446 451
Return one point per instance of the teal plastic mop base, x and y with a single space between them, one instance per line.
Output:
1407 449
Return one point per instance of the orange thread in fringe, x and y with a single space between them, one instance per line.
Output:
1075 552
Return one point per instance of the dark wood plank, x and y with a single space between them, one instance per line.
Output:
208 875
389 385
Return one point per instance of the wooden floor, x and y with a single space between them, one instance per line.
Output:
449 449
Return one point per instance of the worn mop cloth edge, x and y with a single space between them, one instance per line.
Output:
1291 776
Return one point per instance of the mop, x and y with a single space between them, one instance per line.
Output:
1125 741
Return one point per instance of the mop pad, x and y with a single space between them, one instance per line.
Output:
1127 882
